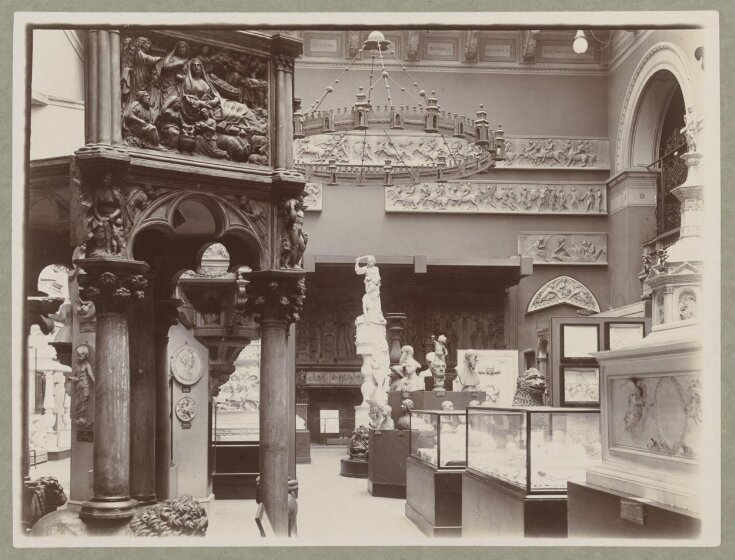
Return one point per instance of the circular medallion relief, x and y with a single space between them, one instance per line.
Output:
186 409
186 366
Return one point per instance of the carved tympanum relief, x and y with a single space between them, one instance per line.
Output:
194 98
563 248
556 153
563 289
657 414
497 198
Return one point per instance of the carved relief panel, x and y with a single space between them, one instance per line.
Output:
557 153
498 198
563 247
190 97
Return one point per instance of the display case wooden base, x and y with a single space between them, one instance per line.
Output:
236 469
303 446
434 499
594 512
493 509
387 456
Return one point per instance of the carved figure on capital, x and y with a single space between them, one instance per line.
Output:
282 299
106 222
294 238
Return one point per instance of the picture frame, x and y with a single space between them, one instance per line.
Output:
580 386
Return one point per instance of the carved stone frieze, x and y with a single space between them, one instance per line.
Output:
557 153
276 297
563 290
194 98
498 198
313 197
399 150
563 248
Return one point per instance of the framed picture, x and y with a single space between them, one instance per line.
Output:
497 373
579 341
581 386
620 335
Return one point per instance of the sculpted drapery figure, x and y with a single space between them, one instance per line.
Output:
105 225
138 122
83 379
139 68
469 376
371 306
295 238
172 72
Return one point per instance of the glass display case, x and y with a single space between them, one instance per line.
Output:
439 438
536 449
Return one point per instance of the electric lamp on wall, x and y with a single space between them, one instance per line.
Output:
580 42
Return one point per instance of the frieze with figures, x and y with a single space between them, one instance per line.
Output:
498 198
550 152
194 98
563 248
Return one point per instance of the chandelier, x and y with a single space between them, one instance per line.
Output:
408 143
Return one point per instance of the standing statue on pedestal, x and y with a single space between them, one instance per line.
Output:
83 378
371 306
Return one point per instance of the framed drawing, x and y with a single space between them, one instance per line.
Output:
186 366
497 371
581 386
579 341
619 335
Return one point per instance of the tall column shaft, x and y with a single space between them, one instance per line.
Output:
104 88
115 92
279 161
287 125
112 414
90 103
274 423
291 339
142 404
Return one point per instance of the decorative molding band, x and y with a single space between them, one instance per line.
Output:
559 152
627 49
313 197
498 198
476 68
563 290
563 247
329 378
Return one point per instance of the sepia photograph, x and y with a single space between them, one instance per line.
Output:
379 279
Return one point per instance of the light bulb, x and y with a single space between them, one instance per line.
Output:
580 43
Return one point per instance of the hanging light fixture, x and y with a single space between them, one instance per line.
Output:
580 42
368 143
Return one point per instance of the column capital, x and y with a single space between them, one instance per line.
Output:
276 296
112 284
284 63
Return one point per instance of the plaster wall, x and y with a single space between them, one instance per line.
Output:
190 447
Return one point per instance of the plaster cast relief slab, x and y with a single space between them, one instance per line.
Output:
563 289
186 409
656 414
563 247
186 366
498 372
313 197
556 152
498 198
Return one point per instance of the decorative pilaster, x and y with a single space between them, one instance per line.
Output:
277 301
166 316
113 285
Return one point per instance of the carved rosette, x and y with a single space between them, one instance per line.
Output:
284 63
113 286
276 297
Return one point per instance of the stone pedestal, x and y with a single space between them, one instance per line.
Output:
113 285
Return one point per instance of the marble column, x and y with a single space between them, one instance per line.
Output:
104 88
284 111
292 402
103 96
113 285
142 402
166 316
277 300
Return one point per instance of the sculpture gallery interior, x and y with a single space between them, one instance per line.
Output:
303 283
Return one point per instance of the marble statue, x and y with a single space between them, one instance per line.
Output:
83 379
104 222
64 316
468 376
371 306
294 238
404 422
438 370
380 416
447 405
407 369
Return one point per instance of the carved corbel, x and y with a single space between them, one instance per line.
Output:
276 296
528 45
112 285
412 45
470 46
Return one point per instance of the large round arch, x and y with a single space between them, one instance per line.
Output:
662 69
